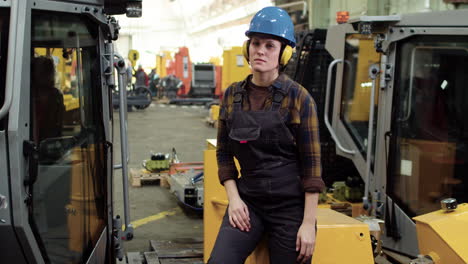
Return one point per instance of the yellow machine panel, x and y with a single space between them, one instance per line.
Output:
82 201
215 60
361 98
215 204
215 200
162 62
214 112
65 74
70 102
235 67
443 235
340 239
133 56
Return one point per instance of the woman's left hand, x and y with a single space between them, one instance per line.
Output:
305 242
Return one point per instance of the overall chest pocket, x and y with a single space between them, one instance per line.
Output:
245 133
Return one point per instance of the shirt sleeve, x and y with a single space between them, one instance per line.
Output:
226 166
308 142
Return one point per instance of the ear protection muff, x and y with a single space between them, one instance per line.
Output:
285 56
245 50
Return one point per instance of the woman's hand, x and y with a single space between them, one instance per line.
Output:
305 242
239 214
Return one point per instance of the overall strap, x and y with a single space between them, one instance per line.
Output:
276 100
239 93
280 90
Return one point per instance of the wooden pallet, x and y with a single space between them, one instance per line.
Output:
184 251
143 176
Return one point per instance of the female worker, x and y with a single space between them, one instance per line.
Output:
269 124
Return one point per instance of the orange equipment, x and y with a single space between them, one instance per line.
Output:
183 70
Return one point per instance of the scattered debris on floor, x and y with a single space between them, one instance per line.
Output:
180 251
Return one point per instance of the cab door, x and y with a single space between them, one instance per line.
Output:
350 96
59 161
69 193
426 119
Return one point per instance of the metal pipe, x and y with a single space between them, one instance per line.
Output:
119 166
80 81
292 4
10 64
120 65
327 105
109 72
373 72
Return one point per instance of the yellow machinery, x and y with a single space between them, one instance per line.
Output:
70 102
359 105
133 56
213 115
65 75
408 142
439 235
162 62
215 60
336 232
398 104
235 67
82 199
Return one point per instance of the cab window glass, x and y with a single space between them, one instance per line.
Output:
360 54
429 157
69 194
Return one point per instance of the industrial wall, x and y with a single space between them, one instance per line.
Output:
208 27
322 13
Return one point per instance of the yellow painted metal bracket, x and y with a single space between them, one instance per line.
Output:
222 202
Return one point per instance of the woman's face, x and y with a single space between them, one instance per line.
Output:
264 54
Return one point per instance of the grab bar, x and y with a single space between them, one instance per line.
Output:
327 105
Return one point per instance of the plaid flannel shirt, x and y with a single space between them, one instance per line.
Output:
299 113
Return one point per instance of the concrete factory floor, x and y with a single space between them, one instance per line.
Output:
159 128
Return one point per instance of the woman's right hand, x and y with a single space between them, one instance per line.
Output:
239 214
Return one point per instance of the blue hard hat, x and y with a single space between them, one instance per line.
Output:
273 21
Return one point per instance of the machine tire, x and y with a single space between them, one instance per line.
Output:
144 92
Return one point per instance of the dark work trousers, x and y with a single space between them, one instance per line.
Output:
270 186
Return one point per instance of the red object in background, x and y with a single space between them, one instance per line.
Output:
182 167
342 17
183 70
218 75
170 67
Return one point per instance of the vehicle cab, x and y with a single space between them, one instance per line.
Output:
56 76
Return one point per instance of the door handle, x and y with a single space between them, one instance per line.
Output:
9 72
327 105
